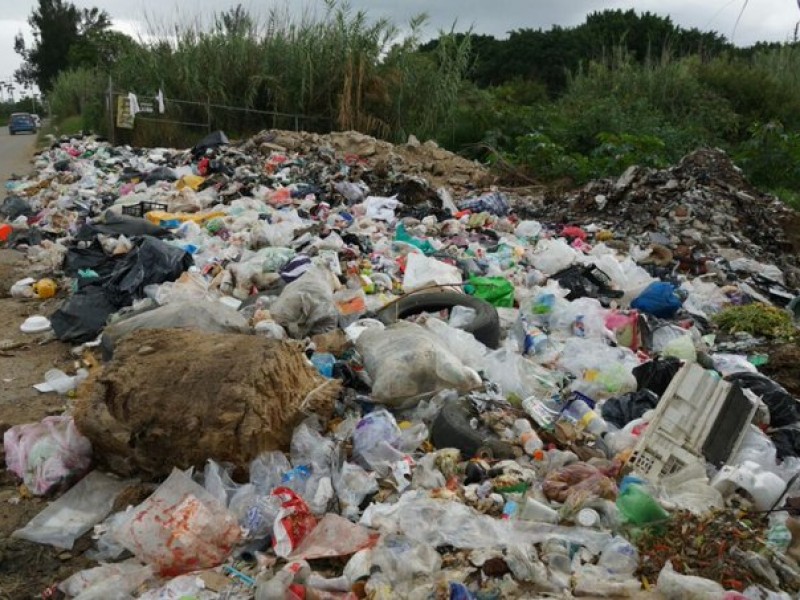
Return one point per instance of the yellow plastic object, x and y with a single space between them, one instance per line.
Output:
45 288
191 181
157 216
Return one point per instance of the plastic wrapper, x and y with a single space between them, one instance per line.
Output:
518 375
594 581
728 364
378 441
293 522
422 271
254 511
267 470
602 371
183 587
579 481
217 482
180 528
333 536
47 454
74 513
461 343
305 307
406 363
107 582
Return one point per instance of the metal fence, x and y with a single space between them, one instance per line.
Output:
206 114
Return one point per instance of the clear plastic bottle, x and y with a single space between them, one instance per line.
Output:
619 557
585 417
528 438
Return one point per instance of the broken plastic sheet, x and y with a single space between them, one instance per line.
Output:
74 513
460 526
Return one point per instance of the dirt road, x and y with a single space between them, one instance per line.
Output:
15 153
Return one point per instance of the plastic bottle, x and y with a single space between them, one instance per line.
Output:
543 411
619 557
528 438
533 510
585 418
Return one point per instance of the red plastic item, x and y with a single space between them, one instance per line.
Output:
573 232
293 523
5 232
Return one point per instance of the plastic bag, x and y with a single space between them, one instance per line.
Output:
497 291
74 513
333 536
623 409
267 470
461 343
602 371
682 348
674 586
552 256
107 582
528 230
179 528
254 511
305 307
783 408
758 448
352 485
422 271
658 299
293 522
728 364
578 478
516 374
47 454
217 482
407 362
83 315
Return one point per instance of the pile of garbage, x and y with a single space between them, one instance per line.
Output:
333 368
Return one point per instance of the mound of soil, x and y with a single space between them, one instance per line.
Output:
784 367
179 397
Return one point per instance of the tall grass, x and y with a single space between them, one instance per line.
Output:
334 70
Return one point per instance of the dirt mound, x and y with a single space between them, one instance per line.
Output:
178 397
427 160
784 367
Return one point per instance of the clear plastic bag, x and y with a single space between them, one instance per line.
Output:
46 454
254 511
180 528
107 582
333 536
406 362
267 470
553 255
352 485
422 271
518 375
217 482
75 513
675 586
306 307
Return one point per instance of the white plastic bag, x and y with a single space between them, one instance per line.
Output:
305 307
406 362
74 513
107 582
553 255
674 586
422 271
180 528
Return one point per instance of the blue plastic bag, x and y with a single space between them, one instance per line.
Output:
658 299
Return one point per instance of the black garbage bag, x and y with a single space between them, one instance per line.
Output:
151 261
14 206
90 257
25 237
783 408
212 140
621 411
111 223
657 374
586 282
160 174
787 442
82 317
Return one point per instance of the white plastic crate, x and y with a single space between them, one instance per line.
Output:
699 417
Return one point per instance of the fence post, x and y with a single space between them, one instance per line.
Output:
111 123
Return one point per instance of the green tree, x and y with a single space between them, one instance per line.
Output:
57 27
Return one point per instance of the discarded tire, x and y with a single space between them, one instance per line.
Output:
485 327
176 397
452 429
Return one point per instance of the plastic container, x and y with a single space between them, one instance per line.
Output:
35 324
588 517
533 510
528 438
638 507
324 363
142 208
619 557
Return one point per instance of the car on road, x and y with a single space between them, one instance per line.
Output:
19 122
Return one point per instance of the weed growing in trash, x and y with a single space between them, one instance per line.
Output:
757 319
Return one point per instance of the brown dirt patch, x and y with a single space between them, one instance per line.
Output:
784 367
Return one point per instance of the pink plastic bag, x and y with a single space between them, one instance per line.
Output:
47 454
293 523
180 528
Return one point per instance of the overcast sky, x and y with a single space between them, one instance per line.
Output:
762 20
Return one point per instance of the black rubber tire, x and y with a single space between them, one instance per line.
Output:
452 429
485 327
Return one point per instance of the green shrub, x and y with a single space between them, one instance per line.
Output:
771 157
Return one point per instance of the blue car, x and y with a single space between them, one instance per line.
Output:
21 122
